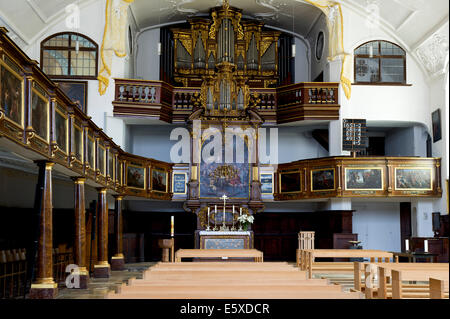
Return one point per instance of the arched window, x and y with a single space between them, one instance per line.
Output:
380 62
69 55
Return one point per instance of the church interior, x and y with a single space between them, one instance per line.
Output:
224 149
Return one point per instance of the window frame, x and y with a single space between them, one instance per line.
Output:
380 57
70 49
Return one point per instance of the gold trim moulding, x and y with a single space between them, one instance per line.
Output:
44 286
118 256
102 265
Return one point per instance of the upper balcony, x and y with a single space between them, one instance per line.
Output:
284 104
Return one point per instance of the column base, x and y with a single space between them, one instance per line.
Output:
102 271
118 262
43 291
84 278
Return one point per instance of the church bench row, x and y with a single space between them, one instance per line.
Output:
398 273
219 253
212 281
13 269
307 257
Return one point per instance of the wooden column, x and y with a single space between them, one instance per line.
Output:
118 261
102 269
44 287
80 232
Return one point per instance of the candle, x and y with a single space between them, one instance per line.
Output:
233 210
240 211
215 209
425 244
172 226
407 244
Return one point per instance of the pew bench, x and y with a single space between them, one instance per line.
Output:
254 254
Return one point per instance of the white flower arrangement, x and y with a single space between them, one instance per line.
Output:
244 219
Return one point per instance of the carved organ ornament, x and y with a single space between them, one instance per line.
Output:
225 57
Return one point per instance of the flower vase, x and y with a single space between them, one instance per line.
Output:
244 226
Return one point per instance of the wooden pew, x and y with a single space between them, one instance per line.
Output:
218 274
438 288
308 257
219 253
398 276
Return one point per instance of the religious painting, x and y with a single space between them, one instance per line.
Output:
40 115
413 179
11 94
179 183
111 164
290 182
101 159
135 176
61 130
322 180
159 180
266 183
229 179
364 179
76 91
78 142
91 152
437 128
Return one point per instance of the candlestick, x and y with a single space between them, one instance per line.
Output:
425 245
240 211
407 244
172 226
208 219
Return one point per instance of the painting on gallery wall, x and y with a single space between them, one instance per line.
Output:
322 180
266 183
159 180
413 179
76 91
290 182
61 131
364 178
11 95
136 177
39 115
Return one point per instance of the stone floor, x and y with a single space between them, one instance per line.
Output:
99 287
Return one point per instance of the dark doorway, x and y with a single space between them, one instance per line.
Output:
276 234
405 223
142 230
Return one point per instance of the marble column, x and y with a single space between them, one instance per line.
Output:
118 260
44 287
102 269
80 233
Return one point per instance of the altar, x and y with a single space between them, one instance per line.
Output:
224 239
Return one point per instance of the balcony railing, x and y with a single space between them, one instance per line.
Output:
291 103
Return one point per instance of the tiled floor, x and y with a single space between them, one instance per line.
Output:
99 287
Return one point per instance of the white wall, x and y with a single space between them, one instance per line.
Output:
406 141
147 59
377 225
318 66
302 58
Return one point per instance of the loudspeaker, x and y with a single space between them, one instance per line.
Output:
436 221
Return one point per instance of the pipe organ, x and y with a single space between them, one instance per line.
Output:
225 56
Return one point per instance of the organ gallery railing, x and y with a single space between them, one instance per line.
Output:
285 104
39 118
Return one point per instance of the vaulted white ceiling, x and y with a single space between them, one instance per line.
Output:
413 22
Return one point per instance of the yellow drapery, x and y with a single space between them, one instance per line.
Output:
113 39
335 22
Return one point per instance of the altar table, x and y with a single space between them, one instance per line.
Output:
219 253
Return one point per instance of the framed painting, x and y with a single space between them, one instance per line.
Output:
78 142
437 128
364 178
290 182
111 158
76 91
179 183
11 94
135 176
159 180
61 129
322 180
91 152
102 160
410 178
40 115
266 180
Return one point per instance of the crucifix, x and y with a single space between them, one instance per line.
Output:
224 197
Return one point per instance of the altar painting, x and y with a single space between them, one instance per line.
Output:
229 179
